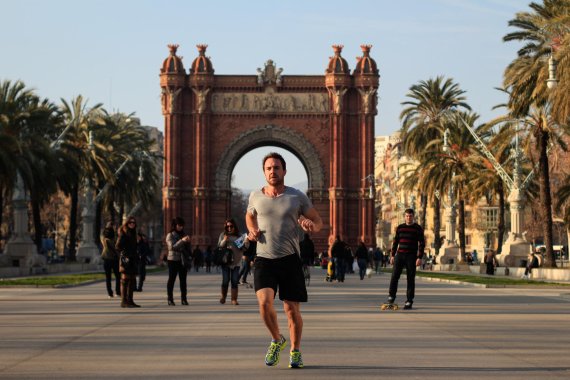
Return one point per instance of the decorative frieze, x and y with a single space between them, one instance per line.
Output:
268 102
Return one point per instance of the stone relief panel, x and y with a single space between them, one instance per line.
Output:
270 102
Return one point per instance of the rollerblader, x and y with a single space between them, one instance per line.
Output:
407 251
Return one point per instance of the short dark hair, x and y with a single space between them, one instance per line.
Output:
409 211
275 155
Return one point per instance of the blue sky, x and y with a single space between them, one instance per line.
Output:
110 51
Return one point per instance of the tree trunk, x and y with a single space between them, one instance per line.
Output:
423 213
73 223
545 198
462 229
97 227
37 225
1 212
501 217
436 225
121 213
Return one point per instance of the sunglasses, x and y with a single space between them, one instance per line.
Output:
132 222
230 226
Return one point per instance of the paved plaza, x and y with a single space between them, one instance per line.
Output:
456 332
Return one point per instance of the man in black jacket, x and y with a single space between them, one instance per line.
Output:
407 251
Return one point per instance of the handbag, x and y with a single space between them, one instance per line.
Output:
185 259
126 264
223 256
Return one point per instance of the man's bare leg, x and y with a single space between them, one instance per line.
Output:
295 320
265 299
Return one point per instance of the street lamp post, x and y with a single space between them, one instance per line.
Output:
88 250
451 252
516 247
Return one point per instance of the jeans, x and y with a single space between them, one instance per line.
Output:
142 273
175 268
377 265
339 268
230 274
362 264
112 266
402 261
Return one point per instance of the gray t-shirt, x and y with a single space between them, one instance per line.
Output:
277 219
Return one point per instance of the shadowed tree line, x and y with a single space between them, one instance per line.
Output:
68 147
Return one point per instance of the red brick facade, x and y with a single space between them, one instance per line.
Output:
327 121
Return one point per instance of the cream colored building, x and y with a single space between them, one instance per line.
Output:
392 199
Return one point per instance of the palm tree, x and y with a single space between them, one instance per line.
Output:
130 142
76 146
430 103
545 30
24 125
15 100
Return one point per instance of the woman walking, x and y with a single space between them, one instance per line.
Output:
230 272
128 261
178 244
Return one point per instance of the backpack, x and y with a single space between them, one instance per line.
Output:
223 256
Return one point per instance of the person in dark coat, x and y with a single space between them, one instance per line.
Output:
490 262
179 249
110 258
144 254
128 261
362 259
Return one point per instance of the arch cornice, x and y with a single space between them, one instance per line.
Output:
271 135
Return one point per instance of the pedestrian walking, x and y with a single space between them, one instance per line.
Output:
128 261
178 259
231 240
247 262
407 251
378 258
144 254
337 253
273 214
208 258
362 259
110 258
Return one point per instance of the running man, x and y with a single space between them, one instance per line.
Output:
407 251
273 214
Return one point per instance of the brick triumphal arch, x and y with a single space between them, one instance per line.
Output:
327 121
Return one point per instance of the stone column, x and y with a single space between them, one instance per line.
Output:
20 248
516 248
88 252
451 252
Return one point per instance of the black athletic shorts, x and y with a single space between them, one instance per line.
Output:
285 274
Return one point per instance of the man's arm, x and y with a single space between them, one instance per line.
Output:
252 226
311 221
421 242
395 243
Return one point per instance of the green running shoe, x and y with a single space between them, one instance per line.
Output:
272 356
295 360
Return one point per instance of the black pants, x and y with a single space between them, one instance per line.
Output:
402 261
112 267
142 273
175 268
